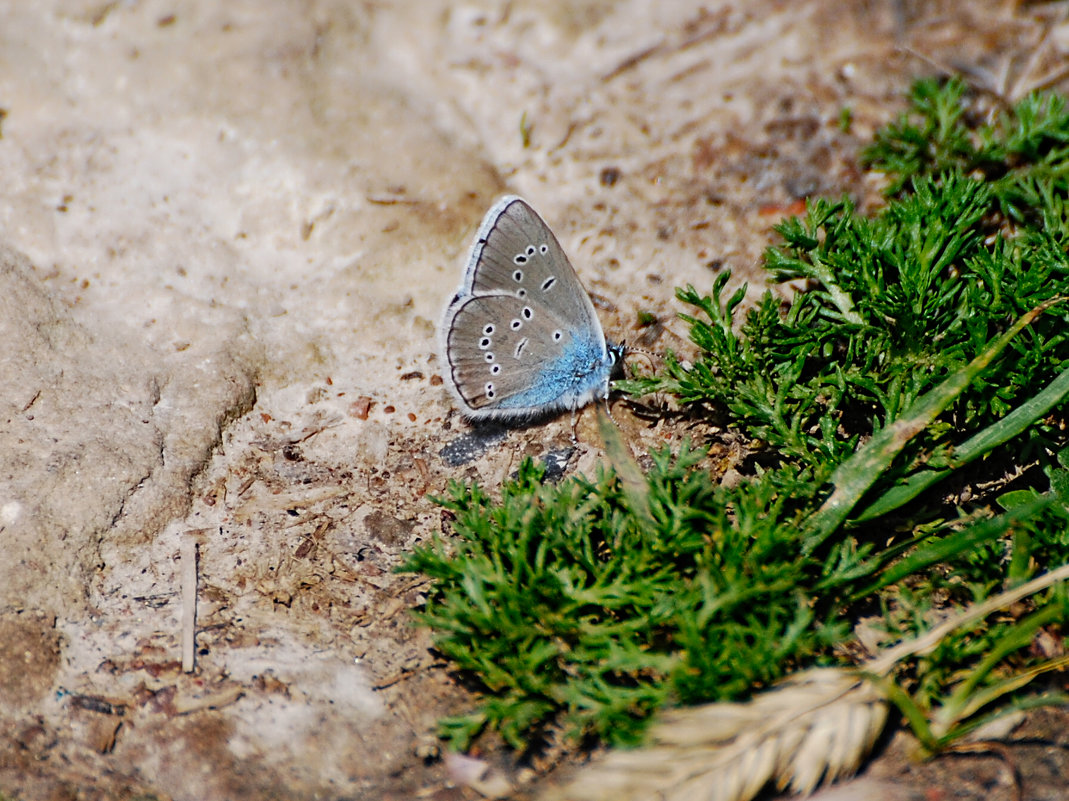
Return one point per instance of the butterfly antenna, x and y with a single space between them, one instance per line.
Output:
652 355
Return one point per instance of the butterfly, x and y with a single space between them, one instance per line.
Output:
520 339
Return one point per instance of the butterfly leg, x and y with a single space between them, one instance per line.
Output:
608 411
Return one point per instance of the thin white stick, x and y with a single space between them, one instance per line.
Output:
189 600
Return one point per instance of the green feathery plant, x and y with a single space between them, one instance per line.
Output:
929 346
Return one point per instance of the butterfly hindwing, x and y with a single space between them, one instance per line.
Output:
525 360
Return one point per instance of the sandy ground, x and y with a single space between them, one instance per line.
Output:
227 234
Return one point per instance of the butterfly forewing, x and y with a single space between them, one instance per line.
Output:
517 253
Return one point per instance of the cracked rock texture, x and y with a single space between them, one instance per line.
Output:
102 436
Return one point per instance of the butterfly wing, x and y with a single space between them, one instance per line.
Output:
515 252
524 361
521 337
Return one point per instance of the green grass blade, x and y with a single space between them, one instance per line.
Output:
632 480
942 548
853 478
1010 426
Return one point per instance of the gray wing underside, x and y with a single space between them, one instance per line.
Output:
522 354
512 228
518 273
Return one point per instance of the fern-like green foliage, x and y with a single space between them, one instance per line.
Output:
566 603
930 335
1020 153
895 303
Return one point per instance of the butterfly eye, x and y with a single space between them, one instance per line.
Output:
489 356
495 369
518 275
530 251
515 325
488 331
521 293
557 335
544 249
548 283
484 343
490 391
527 313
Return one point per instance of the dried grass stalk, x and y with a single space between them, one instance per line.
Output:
817 726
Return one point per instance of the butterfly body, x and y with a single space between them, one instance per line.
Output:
520 338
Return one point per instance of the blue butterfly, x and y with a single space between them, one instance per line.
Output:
520 337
